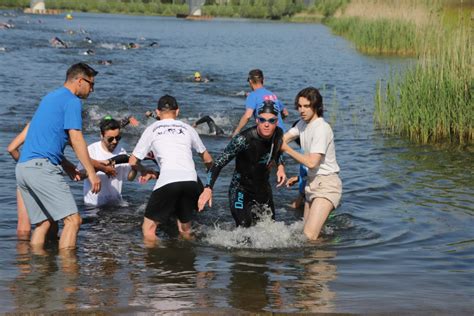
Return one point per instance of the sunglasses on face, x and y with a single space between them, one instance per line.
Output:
272 120
111 139
89 82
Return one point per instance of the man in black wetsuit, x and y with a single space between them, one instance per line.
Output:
256 150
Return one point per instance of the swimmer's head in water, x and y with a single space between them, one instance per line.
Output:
197 76
268 106
167 103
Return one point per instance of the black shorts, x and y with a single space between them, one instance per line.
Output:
248 208
177 198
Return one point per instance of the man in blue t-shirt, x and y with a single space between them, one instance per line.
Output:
258 95
56 122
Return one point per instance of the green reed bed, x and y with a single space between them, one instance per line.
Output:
380 36
433 101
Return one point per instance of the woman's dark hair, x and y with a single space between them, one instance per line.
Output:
314 97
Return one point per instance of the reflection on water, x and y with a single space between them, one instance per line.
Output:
176 276
401 242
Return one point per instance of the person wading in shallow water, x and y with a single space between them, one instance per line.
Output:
256 150
56 122
177 189
324 187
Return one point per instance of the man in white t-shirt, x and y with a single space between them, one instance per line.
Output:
111 174
324 187
177 190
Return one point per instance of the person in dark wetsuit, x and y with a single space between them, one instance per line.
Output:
256 150
213 128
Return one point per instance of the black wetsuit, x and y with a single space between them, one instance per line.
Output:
250 193
213 128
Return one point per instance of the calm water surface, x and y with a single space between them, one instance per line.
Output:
402 241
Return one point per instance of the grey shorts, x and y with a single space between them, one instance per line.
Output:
328 187
44 190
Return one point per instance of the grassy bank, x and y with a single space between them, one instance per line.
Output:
433 101
381 36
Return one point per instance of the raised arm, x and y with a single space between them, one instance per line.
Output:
243 121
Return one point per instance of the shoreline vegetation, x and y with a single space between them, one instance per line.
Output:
431 102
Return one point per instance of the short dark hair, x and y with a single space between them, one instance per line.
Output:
167 103
80 69
256 76
108 123
314 97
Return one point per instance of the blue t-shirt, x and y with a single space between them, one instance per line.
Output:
256 98
58 112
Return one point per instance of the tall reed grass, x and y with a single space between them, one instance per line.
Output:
381 36
433 101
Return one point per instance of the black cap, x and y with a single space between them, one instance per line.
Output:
268 106
167 103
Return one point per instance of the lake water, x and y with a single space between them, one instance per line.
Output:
401 242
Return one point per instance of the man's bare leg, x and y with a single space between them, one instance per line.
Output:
39 234
23 229
70 230
185 230
149 232
319 210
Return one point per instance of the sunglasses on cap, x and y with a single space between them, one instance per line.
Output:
272 120
111 139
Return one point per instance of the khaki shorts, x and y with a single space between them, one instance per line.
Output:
328 187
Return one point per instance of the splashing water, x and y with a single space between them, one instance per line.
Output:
266 234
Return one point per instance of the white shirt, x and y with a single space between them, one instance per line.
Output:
317 137
172 142
111 188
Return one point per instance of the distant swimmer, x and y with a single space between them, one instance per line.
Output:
154 44
6 25
198 78
133 45
105 62
255 150
213 128
88 40
57 43
89 52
